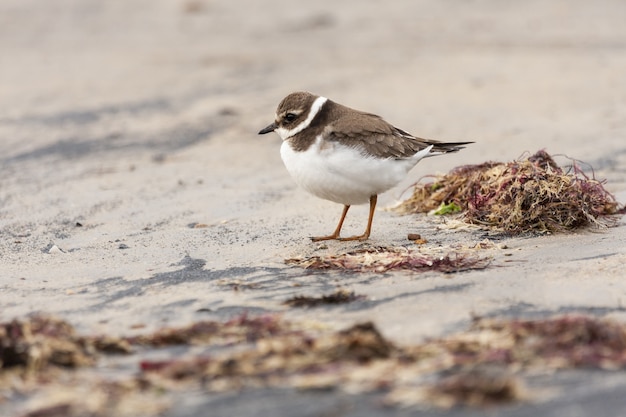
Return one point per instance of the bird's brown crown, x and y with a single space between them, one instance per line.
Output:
294 108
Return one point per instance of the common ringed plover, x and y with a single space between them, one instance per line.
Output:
346 155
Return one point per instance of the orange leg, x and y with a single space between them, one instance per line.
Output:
335 234
365 235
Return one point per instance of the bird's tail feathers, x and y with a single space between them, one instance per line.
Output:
446 147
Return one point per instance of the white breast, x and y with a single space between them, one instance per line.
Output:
342 174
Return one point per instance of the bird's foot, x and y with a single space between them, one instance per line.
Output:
362 238
321 238
342 239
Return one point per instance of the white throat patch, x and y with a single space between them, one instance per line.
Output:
315 108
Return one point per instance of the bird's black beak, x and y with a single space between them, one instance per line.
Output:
268 129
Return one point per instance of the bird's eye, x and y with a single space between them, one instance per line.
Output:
290 117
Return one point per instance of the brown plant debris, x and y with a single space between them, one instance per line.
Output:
280 361
554 343
383 259
80 396
481 366
240 329
528 195
560 342
40 341
477 386
484 365
340 296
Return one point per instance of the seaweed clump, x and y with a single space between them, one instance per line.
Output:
41 341
239 329
529 195
384 259
484 365
340 296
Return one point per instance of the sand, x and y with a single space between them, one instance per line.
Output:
135 192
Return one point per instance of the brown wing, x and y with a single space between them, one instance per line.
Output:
377 137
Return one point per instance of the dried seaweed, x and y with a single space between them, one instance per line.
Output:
568 341
80 396
482 366
56 410
277 360
477 386
40 341
558 342
239 329
340 296
477 367
529 195
383 259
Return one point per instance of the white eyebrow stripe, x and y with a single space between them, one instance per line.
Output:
315 108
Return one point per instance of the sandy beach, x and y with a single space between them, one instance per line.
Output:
135 192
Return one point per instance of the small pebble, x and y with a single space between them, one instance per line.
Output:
55 249
414 236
